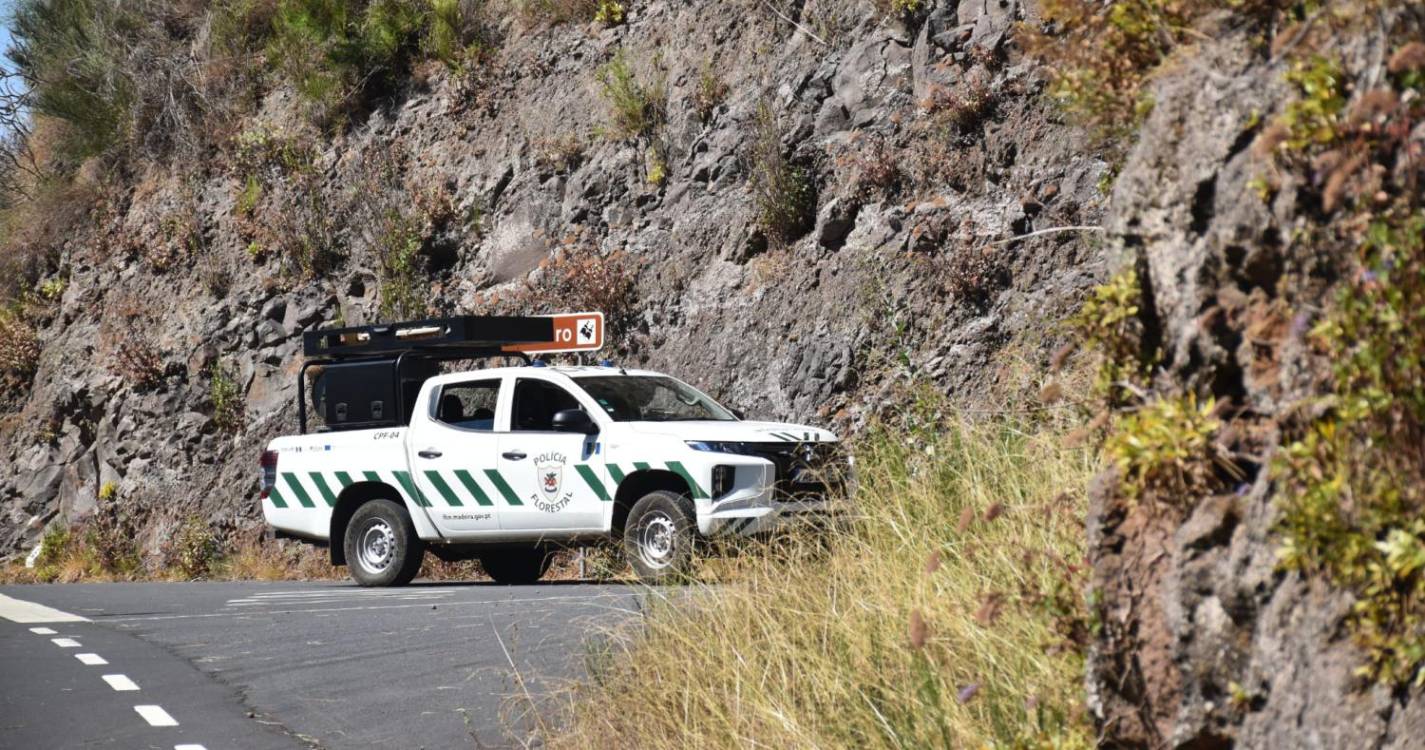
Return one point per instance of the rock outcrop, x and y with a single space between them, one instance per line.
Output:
1206 641
192 269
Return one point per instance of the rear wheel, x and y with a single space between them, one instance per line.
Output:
381 545
517 566
659 536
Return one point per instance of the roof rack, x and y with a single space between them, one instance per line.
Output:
462 333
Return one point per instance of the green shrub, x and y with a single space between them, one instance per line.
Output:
111 539
337 52
1099 55
229 409
1165 449
1109 324
1313 117
444 38
312 45
609 12
402 272
1353 496
710 93
305 233
782 193
636 109
191 551
250 195
73 53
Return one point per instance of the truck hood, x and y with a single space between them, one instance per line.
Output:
723 431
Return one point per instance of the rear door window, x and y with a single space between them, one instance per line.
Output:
469 405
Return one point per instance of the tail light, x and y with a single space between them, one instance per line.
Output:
269 472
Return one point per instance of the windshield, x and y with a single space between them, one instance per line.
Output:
648 398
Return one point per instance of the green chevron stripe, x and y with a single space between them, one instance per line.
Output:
275 495
410 487
593 481
298 491
443 488
640 466
480 497
371 476
503 487
344 479
321 483
615 473
678 468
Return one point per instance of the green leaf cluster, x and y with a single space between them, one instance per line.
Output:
1109 323
1313 118
1166 447
1353 500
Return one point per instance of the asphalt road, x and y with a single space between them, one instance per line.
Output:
284 665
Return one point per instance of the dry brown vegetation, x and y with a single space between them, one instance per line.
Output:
946 615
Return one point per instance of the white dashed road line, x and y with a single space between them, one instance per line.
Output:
156 716
120 682
19 610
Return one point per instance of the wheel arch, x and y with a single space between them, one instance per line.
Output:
351 498
640 483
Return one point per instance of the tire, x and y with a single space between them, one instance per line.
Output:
659 537
381 545
514 567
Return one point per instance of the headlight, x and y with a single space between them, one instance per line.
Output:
716 446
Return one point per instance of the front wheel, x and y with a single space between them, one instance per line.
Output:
659 535
381 545
517 566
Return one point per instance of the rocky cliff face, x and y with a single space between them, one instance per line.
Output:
1209 638
924 146
627 168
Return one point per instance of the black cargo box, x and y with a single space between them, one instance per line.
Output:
367 377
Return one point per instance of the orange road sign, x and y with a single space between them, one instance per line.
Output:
573 332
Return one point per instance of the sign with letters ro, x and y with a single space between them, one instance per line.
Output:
573 332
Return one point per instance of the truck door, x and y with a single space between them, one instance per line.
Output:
453 446
552 476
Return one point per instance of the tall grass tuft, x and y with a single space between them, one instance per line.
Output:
946 615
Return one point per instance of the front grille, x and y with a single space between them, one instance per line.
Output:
804 471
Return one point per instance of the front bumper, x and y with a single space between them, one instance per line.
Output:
771 520
756 505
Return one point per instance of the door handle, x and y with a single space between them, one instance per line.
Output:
428 453
513 455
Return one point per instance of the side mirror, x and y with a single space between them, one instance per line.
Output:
574 420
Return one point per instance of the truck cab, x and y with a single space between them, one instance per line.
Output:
507 464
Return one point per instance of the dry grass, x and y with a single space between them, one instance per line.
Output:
947 615
80 555
193 552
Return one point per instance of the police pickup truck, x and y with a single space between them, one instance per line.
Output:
507 464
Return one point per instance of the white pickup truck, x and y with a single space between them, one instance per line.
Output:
507 464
